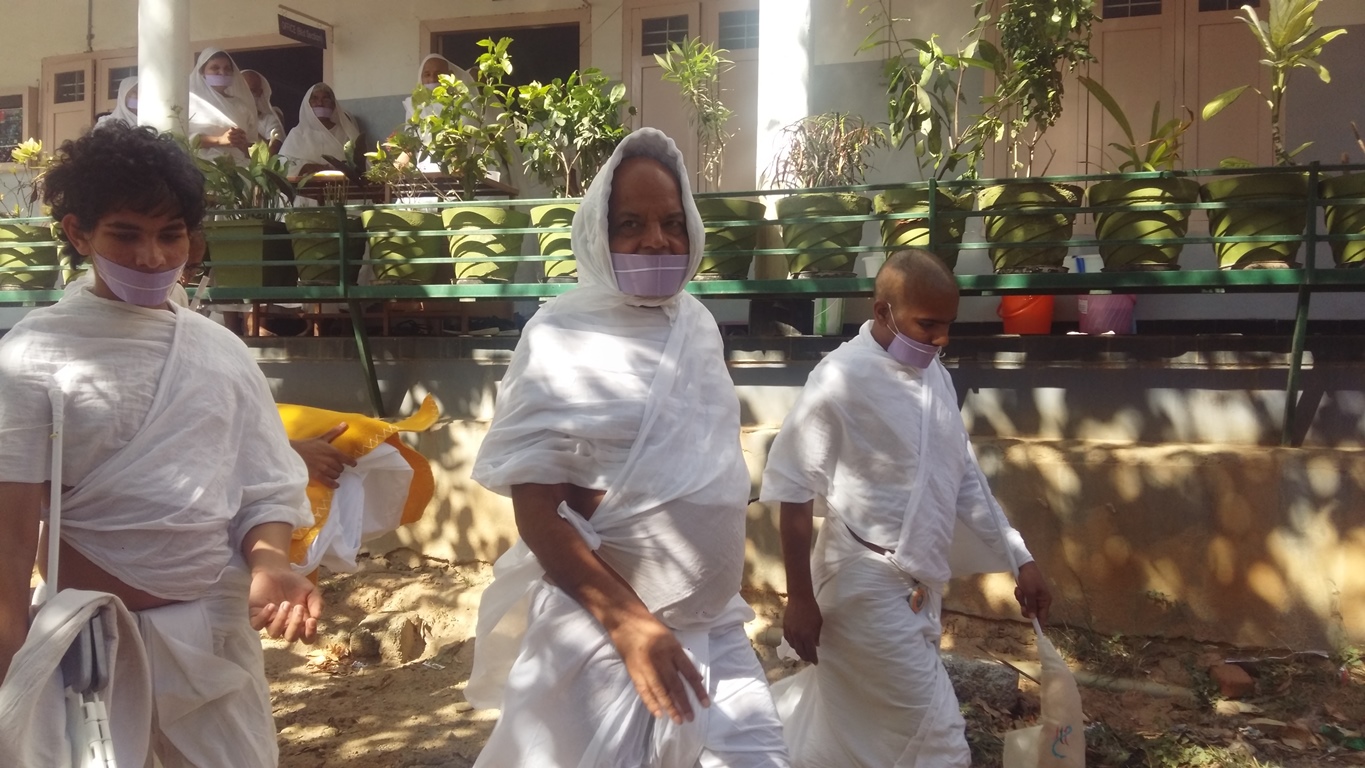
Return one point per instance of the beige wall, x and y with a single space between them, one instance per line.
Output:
1243 545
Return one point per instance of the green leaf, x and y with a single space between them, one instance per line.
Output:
1110 105
1222 101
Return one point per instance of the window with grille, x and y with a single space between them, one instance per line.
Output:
1226 5
1122 9
69 87
739 30
116 77
657 34
11 124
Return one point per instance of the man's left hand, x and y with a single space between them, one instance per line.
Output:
284 603
1032 593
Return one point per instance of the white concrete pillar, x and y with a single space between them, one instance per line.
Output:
784 56
163 63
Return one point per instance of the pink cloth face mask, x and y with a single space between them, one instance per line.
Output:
218 81
650 275
909 352
145 289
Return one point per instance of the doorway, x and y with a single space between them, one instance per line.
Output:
291 71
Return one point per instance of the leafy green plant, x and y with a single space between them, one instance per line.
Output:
1038 39
1289 40
567 129
1161 150
924 97
831 149
233 187
28 186
696 68
466 130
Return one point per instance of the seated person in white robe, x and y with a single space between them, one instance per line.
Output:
877 433
613 632
182 491
125 110
222 113
269 118
322 132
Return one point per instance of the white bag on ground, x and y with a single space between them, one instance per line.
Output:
1058 741
367 503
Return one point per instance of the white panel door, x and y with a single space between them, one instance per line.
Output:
68 93
1221 53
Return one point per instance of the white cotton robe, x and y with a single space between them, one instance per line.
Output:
269 124
884 445
121 113
173 451
311 142
633 398
213 113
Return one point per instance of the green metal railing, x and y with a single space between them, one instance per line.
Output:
1302 281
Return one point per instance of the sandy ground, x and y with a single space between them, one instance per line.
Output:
341 709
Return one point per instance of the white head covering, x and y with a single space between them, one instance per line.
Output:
212 112
268 122
458 72
121 110
592 250
310 139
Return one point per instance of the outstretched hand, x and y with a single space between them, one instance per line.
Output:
660 668
284 603
325 461
1032 593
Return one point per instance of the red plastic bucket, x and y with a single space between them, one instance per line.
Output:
1026 314
1106 312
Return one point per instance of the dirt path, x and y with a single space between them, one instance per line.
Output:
341 710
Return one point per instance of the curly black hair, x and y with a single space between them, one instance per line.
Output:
121 168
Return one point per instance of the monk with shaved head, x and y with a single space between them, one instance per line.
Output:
876 433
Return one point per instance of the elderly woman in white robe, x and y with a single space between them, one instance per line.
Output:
125 110
877 434
322 132
428 73
613 634
269 118
222 115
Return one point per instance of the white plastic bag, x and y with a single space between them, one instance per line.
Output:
1058 741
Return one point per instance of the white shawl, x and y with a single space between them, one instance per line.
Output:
121 110
174 446
632 400
268 122
310 139
212 113
884 444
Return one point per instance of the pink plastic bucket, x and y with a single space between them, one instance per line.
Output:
1106 313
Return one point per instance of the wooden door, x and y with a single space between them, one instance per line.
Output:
69 96
1135 61
1221 53
110 70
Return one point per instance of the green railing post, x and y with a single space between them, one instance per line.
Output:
933 217
1291 389
362 336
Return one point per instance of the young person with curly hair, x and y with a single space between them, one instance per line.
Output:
180 489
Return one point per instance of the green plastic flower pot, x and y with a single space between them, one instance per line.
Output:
325 246
1345 218
556 246
949 215
822 244
238 255
392 254
1248 215
729 249
1012 227
22 263
484 242
1155 228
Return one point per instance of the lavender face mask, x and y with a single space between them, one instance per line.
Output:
132 103
145 289
322 112
218 81
909 352
650 275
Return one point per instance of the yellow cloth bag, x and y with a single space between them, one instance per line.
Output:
363 434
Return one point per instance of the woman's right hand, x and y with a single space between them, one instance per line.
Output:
232 137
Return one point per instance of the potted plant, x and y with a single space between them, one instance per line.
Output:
1346 218
237 194
566 130
732 223
1288 40
924 90
317 255
1037 39
28 256
467 131
826 150
1136 209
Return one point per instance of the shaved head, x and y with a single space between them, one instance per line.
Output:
912 275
